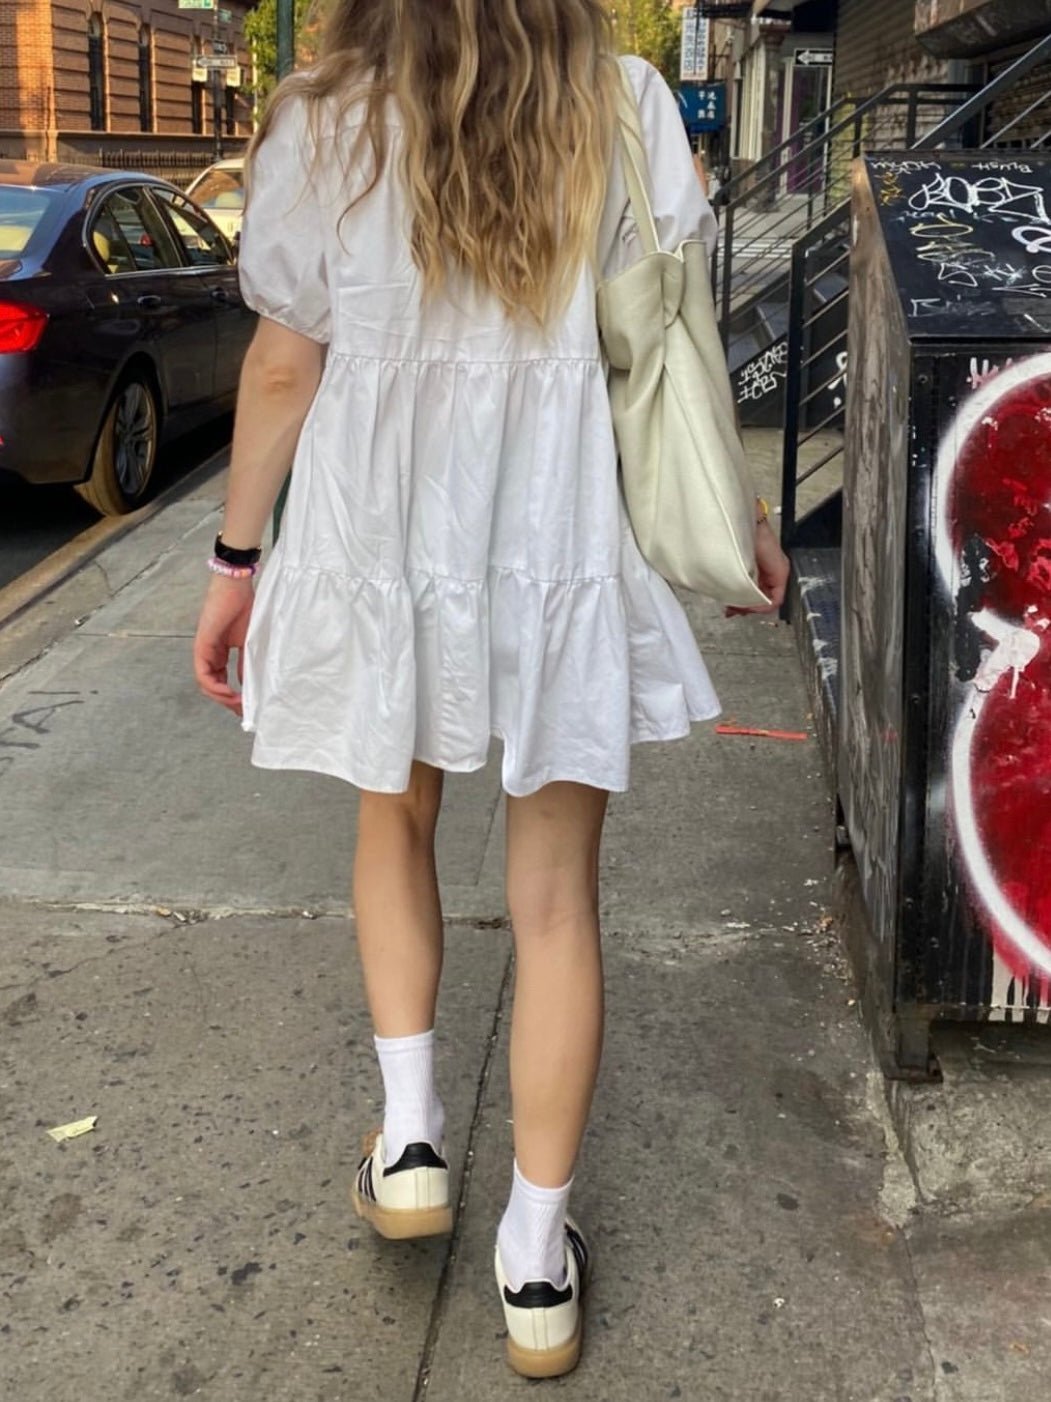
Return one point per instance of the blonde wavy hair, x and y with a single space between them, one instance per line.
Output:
508 110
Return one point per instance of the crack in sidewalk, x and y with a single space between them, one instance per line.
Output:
440 1305
177 914
937 1378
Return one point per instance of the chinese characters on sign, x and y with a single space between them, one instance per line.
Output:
703 106
694 62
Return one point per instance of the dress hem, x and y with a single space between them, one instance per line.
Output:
553 775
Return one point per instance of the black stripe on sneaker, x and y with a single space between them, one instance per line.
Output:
538 1295
416 1156
365 1187
579 1247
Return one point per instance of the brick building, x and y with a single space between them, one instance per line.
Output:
114 82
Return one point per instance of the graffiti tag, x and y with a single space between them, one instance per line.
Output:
762 375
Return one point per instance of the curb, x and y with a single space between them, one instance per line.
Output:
68 560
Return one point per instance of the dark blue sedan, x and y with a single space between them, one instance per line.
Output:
121 322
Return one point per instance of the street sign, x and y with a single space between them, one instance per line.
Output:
815 58
220 46
703 106
196 4
694 53
226 16
211 62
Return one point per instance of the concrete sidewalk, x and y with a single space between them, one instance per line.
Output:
175 958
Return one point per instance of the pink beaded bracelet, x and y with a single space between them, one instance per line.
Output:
218 566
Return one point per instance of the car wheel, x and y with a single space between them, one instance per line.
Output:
126 451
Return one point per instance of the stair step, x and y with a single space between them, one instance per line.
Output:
763 246
743 348
774 318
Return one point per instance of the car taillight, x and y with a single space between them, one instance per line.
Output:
21 327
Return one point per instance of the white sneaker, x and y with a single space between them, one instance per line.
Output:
545 1324
409 1199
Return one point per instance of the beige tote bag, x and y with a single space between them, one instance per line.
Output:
683 468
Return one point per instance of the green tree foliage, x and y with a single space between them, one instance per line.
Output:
650 28
260 29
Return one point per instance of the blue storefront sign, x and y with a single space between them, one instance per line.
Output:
703 106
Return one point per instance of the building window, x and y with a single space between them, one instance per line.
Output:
97 72
230 96
145 78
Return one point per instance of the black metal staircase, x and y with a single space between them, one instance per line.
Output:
816 346
767 209
813 278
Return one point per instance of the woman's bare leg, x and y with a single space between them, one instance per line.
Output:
553 839
396 904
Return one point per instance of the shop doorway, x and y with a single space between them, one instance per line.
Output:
805 92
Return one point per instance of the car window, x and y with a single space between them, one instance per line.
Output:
202 243
220 189
129 236
21 211
109 245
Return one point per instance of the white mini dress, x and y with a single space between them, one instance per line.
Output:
455 560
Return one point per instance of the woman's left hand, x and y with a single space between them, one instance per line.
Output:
772 568
222 629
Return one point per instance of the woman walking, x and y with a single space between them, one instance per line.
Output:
430 211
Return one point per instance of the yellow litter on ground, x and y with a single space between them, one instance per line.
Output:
73 1130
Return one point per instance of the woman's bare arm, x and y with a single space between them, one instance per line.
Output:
279 379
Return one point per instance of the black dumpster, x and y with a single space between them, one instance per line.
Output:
944 750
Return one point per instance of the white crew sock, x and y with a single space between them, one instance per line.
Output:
412 1111
532 1234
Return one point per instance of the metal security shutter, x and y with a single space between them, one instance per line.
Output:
876 45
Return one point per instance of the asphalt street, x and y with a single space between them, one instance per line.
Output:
35 521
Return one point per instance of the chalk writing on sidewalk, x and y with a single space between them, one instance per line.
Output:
29 727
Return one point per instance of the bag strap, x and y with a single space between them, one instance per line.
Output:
635 163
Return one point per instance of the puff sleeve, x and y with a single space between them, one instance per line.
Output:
680 205
282 253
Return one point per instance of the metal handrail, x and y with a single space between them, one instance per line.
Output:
1026 112
815 467
980 102
907 94
897 94
723 194
801 282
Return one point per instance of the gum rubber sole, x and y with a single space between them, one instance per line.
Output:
547 1362
403 1224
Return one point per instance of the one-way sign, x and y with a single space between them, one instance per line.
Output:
815 58
213 61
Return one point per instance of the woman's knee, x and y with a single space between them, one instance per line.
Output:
416 809
553 840
551 909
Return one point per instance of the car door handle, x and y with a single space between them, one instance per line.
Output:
220 294
149 301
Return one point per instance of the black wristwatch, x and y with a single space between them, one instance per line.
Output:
230 556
